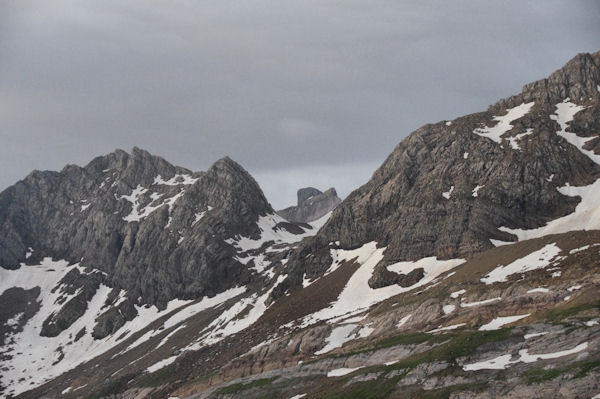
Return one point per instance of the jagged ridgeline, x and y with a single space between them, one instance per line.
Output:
455 188
155 230
466 267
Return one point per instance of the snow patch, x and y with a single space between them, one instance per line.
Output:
565 113
525 357
337 338
341 371
306 282
38 359
365 331
515 139
458 293
320 222
134 199
585 247
357 295
228 324
540 290
175 180
447 328
159 365
14 320
403 321
504 123
430 265
185 313
585 217
476 190
536 260
498 243
501 362
268 233
497 363
448 193
501 321
448 309
479 303
587 213
533 335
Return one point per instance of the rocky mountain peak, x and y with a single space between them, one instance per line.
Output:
229 171
136 167
578 80
123 211
306 193
455 188
232 184
312 205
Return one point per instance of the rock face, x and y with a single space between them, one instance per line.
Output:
144 226
447 188
312 205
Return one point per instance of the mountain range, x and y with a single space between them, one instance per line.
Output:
468 266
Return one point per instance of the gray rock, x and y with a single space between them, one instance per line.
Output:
312 205
99 216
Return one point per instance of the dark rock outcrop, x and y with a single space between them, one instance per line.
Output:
312 205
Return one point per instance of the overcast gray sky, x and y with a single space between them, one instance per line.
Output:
300 92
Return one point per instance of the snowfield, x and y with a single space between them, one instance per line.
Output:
357 295
39 358
267 224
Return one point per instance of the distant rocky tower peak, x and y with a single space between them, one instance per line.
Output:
312 205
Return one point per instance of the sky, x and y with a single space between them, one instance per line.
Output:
299 92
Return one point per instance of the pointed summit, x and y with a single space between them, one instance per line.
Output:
228 180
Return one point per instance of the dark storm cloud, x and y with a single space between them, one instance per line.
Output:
299 92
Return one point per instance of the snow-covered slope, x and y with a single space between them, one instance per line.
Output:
30 359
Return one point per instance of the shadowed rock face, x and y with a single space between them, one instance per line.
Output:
444 191
158 231
312 205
